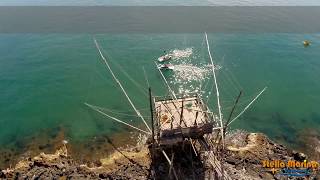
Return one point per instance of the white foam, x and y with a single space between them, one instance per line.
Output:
188 74
185 53
188 77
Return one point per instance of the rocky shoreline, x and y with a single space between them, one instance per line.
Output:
244 154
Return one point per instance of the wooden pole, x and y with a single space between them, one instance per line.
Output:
151 111
181 115
166 82
170 164
173 95
229 118
152 130
195 120
224 131
170 169
217 89
178 112
194 149
193 174
233 108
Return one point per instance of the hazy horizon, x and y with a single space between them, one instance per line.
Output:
160 3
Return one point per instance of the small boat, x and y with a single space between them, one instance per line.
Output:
166 67
166 57
306 43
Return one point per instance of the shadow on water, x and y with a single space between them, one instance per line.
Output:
304 138
309 138
185 163
277 127
288 133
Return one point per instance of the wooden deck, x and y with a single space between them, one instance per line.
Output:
182 118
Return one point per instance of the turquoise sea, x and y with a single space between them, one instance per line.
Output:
45 79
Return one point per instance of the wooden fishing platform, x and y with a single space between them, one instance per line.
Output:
181 118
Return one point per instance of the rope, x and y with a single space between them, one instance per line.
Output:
118 120
145 76
247 106
115 78
118 112
128 76
166 82
173 94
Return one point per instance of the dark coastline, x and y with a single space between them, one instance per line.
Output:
244 155
49 140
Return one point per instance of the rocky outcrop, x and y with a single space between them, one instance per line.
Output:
247 151
47 166
131 164
243 160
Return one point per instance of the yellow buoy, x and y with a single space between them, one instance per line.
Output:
306 43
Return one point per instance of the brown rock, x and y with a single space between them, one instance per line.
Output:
298 156
266 175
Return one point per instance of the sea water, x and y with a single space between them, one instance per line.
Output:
45 79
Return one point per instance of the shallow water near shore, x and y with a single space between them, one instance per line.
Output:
46 79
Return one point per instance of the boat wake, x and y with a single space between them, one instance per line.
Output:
187 75
188 72
178 54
